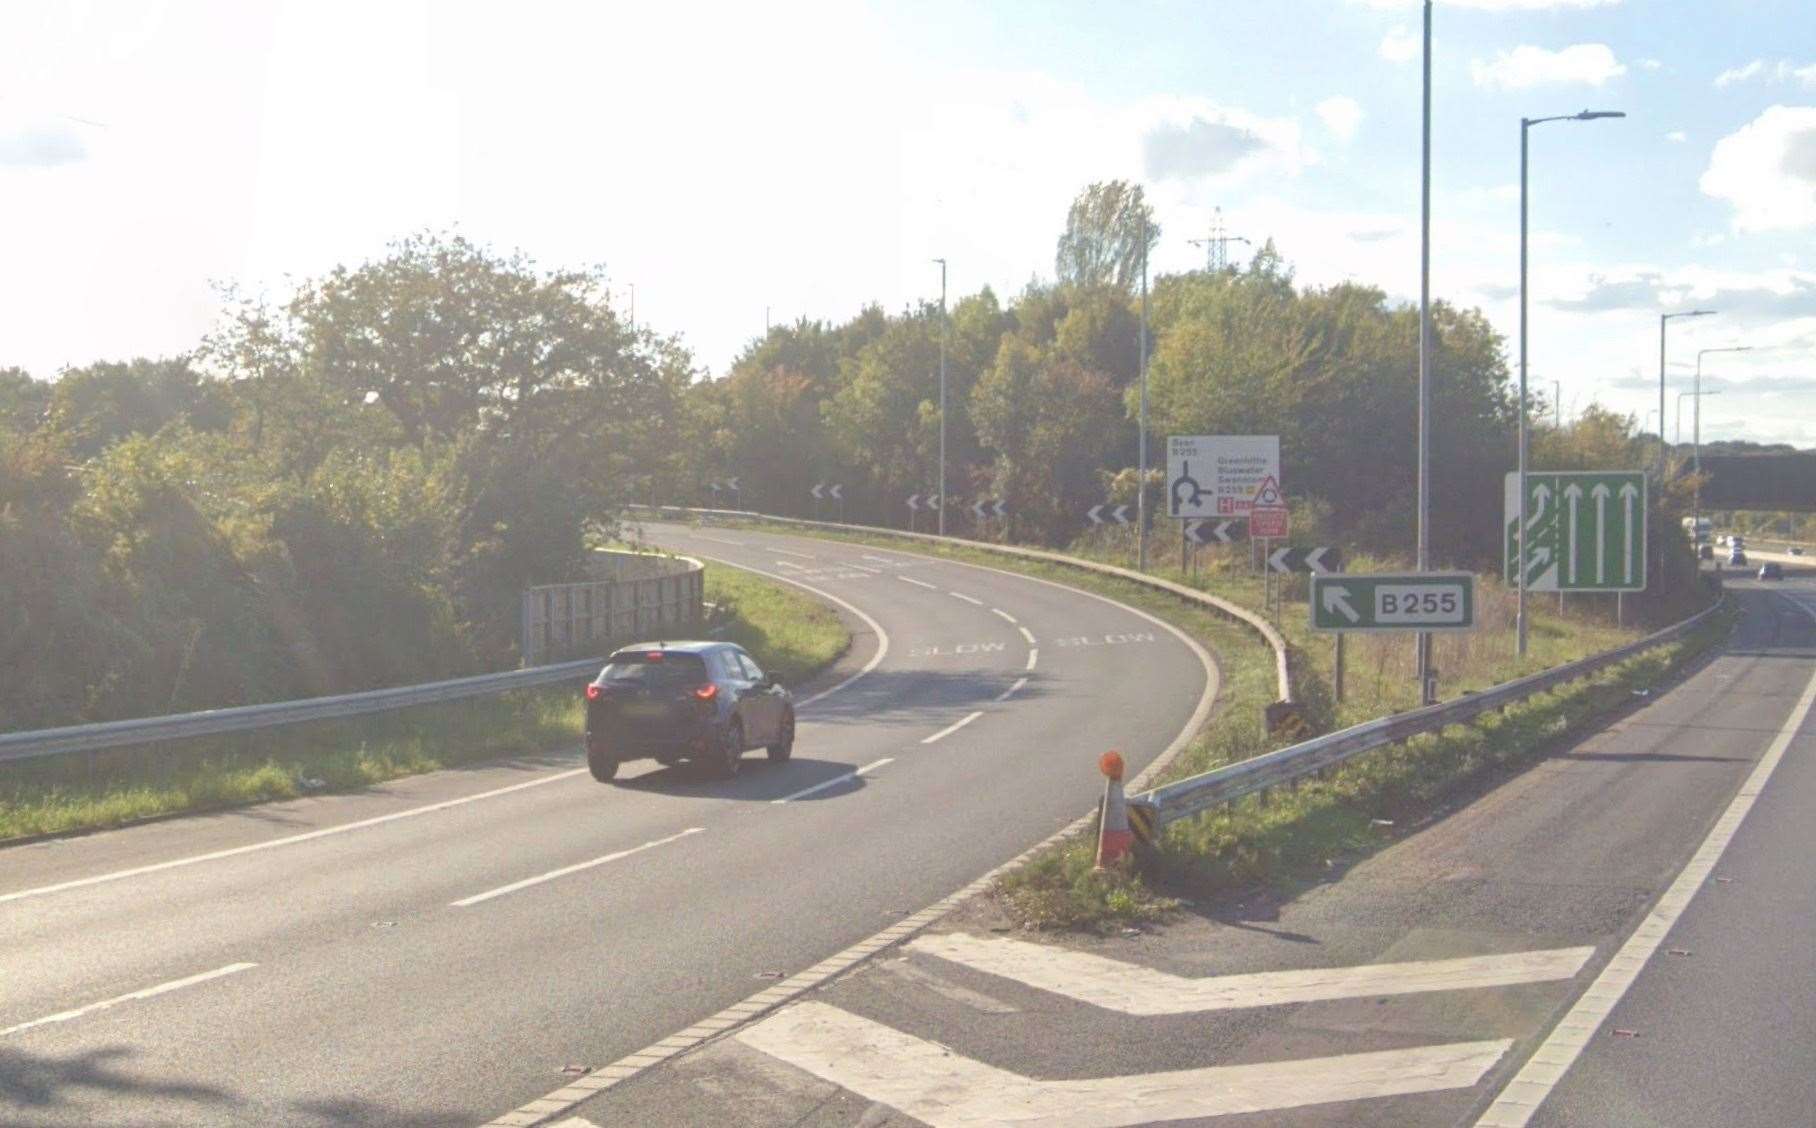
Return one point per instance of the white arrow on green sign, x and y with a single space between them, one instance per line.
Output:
1585 531
1414 601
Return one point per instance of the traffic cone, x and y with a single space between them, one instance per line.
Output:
1114 838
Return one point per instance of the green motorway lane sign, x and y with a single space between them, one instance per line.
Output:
1585 531
1415 601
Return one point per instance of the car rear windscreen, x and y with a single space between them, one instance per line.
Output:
666 669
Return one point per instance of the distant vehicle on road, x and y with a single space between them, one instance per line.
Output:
1737 541
1737 558
1707 552
1795 550
1771 570
705 703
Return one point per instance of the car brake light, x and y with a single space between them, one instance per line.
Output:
653 656
707 692
592 693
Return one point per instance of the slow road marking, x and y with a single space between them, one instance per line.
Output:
952 728
1520 1100
576 868
835 781
947 1090
149 992
1133 989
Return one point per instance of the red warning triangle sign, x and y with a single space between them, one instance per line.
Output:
1269 492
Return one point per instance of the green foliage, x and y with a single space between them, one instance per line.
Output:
1109 231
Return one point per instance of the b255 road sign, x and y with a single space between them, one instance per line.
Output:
1416 601
1585 531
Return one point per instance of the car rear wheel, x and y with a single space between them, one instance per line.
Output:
601 762
784 746
731 751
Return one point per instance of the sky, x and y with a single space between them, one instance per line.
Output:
742 162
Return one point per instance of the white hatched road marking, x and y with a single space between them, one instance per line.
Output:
575 868
787 564
885 560
1010 692
947 1090
835 781
1133 989
952 728
1027 634
792 552
967 598
149 992
1033 657
1520 1100
915 582
1004 615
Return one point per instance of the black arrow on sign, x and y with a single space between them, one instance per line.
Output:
1319 560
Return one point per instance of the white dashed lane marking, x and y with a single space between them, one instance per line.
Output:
792 552
1033 656
1027 634
915 582
967 598
149 992
1004 615
576 868
1010 692
835 781
952 728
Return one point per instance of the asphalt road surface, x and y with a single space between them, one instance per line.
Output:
438 950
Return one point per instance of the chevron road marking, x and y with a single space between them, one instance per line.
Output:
947 1090
1133 989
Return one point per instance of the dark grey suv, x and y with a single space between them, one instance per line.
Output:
706 703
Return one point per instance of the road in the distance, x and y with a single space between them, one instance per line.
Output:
437 950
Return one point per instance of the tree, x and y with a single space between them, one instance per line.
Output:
1103 244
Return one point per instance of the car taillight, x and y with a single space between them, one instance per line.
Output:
707 692
592 692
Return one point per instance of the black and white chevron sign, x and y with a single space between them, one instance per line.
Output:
1221 531
1319 560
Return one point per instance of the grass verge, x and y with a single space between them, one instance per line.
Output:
788 632
1296 833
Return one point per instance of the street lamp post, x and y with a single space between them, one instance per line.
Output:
1696 430
1141 480
1678 437
942 506
1422 647
1663 318
1526 125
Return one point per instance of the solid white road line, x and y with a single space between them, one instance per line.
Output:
947 1090
1033 657
1520 1100
915 582
1010 692
1133 989
162 988
1027 635
1004 615
952 728
792 552
835 781
576 868
967 598
289 840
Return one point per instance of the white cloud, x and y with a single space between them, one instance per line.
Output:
1781 71
1527 66
40 145
1767 170
1341 115
1677 136
1401 45
1650 64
